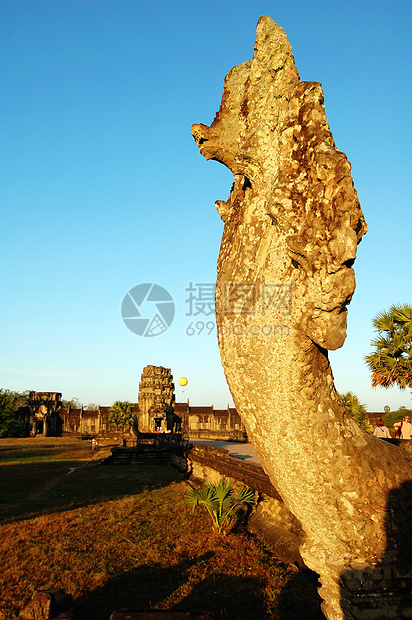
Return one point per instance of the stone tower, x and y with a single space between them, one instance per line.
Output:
156 392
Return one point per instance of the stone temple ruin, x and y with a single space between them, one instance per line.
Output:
156 409
292 226
44 417
156 398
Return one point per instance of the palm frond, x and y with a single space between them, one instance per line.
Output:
219 501
391 362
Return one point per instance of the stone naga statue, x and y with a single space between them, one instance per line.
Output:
285 278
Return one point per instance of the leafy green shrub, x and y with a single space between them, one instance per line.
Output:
11 424
220 501
356 410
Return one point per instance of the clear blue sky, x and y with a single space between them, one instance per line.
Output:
103 187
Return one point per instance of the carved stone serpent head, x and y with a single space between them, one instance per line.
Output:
293 215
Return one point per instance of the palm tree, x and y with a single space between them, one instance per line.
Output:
391 362
220 502
121 414
355 409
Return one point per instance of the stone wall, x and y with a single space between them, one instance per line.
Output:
198 422
91 423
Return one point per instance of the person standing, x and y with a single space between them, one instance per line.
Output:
405 428
381 430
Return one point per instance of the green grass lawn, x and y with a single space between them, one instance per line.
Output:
124 536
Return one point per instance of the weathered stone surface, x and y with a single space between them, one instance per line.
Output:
48 604
285 278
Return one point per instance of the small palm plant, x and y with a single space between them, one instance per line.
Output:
220 501
356 410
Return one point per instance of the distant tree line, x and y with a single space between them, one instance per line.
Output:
13 413
396 416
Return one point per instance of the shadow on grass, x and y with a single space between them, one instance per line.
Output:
227 596
150 587
32 489
243 597
299 598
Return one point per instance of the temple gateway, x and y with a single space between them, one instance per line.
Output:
156 411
